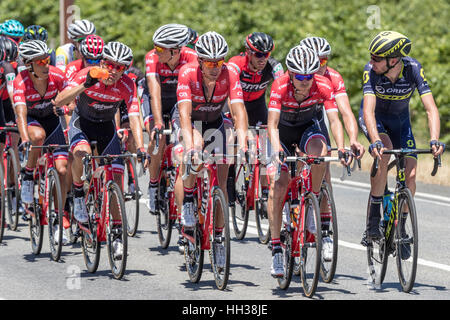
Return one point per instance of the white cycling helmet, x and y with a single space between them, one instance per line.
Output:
319 45
302 60
118 52
171 36
211 45
80 29
32 49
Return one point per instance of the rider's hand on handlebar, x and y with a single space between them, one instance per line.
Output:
345 156
158 128
141 155
357 149
376 149
437 147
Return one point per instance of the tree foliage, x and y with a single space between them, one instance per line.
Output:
349 25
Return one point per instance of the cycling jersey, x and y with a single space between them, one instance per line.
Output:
254 84
65 55
391 97
190 88
137 76
25 94
99 103
168 79
72 69
7 76
337 81
293 113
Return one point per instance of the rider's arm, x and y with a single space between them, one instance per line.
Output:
68 95
369 103
136 128
351 127
154 88
240 122
336 129
272 128
185 110
21 119
434 122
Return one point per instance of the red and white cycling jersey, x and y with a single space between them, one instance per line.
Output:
190 88
72 69
39 107
294 113
99 103
337 81
168 78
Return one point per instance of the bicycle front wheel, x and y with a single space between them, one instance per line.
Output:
89 240
117 236
239 208
131 196
329 235
262 217
2 207
406 240
310 245
220 246
35 224
163 222
12 189
55 211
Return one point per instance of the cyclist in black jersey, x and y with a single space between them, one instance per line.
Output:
389 80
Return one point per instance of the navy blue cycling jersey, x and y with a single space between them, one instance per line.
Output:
391 97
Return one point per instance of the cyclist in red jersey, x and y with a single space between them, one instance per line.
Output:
295 103
162 67
203 91
34 90
93 120
323 50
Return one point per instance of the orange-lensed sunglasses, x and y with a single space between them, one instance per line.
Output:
112 66
43 62
213 64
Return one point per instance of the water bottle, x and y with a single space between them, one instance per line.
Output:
388 200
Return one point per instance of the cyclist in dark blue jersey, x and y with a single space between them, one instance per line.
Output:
389 81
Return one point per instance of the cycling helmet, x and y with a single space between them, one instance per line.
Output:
12 28
80 29
259 42
118 52
10 47
32 49
302 60
390 44
193 36
92 47
211 45
319 45
171 36
35 32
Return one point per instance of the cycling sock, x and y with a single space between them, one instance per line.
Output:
374 211
276 245
218 233
188 195
78 191
153 183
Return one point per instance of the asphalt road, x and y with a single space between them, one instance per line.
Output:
157 274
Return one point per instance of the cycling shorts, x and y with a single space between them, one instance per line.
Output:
53 132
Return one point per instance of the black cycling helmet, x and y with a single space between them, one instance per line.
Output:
10 48
259 42
35 32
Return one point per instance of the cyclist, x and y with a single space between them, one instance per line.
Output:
193 37
163 65
36 32
256 69
12 29
389 80
203 91
76 32
93 120
323 50
294 109
34 90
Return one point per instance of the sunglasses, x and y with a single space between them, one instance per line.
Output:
43 62
213 64
93 61
376 59
323 61
302 77
159 49
260 54
112 66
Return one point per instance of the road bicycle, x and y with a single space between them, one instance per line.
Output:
104 197
399 226
47 207
245 193
209 200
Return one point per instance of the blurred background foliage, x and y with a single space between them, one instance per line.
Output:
348 25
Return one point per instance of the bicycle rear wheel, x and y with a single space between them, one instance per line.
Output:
406 240
2 207
12 191
131 196
194 256
262 217
89 240
311 249
220 262
288 259
116 235
330 230
239 209
55 212
164 224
